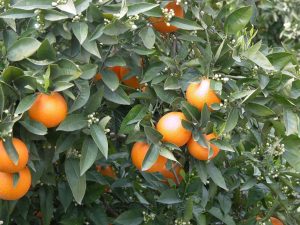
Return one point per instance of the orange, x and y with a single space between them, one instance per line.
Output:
6 164
138 153
9 191
172 130
49 110
197 94
200 152
121 71
160 23
106 171
170 175
276 221
98 76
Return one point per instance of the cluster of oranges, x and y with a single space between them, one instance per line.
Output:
171 128
15 179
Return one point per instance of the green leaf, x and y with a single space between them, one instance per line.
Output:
185 24
291 154
151 157
169 197
16 14
141 7
188 209
118 96
73 122
23 48
89 154
232 120
110 79
88 71
130 217
98 32
295 90
192 111
82 5
33 4
80 30
143 51
152 72
83 97
148 37
52 15
11 151
216 175
91 47
167 154
12 73
222 145
257 57
25 104
167 96
205 116
291 122
46 197
152 134
34 127
100 139
94 101
280 59
135 115
69 7
238 19
76 182
64 195
260 110
171 83
46 51
62 85
96 214
248 184
115 28
115 61
2 100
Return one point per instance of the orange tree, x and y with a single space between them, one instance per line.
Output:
146 112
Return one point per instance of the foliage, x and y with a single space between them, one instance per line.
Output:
60 46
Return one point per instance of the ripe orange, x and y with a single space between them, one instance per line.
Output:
106 171
160 23
197 94
276 221
49 110
121 71
10 192
200 152
170 175
138 153
172 130
98 76
6 164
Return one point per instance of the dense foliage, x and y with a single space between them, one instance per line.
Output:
90 51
